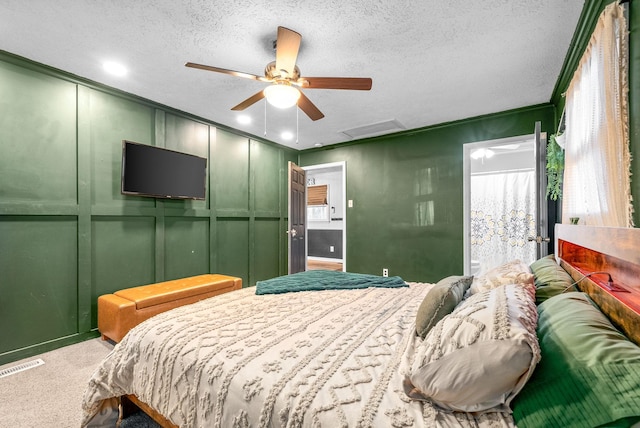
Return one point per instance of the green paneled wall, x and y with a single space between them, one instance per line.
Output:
186 250
68 235
122 255
383 177
231 173
38 151
266 257
38 291
265 179
110 120
233 241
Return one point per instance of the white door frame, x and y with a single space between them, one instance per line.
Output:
343 167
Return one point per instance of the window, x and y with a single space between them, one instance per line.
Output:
317 195
423 190
597 185
317 203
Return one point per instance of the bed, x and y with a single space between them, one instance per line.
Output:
518 345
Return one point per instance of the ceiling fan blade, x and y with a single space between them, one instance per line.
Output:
355 83
225 71
309 108
249 101
287 47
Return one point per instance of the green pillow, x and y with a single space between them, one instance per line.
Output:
440 301
589 374
550 278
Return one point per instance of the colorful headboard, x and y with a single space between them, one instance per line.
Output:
587 250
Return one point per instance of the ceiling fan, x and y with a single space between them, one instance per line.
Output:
284 75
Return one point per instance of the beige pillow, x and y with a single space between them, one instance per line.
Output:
513 272
477 358
441 299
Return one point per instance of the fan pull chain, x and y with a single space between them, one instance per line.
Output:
297 126
265 118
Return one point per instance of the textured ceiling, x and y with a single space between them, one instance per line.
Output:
430 61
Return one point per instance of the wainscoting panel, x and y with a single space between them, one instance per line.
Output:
38 284
233 248
320 242
186 247
123 255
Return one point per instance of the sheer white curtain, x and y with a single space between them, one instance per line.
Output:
596 179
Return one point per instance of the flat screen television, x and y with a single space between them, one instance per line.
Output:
162 173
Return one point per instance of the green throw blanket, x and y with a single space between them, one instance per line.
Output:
325 280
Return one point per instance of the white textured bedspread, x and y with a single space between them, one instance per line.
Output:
334 358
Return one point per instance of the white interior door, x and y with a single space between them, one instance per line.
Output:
504 202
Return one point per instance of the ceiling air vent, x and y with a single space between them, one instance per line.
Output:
386 127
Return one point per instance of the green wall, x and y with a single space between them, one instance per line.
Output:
67 234
382 173
384 176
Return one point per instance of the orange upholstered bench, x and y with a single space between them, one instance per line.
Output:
121 311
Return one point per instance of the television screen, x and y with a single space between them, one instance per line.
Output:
162 173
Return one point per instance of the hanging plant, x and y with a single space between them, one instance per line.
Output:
555 169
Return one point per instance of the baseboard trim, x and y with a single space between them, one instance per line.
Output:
30 351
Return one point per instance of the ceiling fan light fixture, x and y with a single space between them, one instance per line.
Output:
281 95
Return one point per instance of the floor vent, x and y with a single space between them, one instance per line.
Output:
20 368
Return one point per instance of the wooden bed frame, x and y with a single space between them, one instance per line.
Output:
583 251
131 404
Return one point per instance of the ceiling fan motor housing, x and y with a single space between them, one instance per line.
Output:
271 72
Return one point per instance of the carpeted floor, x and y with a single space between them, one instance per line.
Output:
51 395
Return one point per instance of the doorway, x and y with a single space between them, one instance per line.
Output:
504 215
326 216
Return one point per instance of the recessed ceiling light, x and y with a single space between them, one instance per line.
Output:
482 154
114 68
318 144
243 119
287 135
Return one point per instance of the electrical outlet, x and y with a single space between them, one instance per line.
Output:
350 203
331 249
385 272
